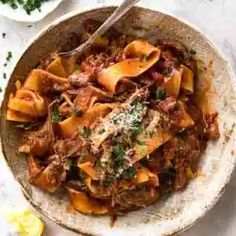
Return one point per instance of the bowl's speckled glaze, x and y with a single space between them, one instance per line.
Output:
181 209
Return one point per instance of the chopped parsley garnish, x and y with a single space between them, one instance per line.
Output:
129 173
161 94
31 5
118 154
192 51
27 5
109 178
136 128
55 116
86 131
132 116
4 75
0 89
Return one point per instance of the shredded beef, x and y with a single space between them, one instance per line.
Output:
39 143
134 198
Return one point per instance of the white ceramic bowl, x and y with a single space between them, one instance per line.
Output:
181 209
20 14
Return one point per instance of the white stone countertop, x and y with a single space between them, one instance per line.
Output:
214 17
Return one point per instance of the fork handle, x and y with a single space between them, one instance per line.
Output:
111 20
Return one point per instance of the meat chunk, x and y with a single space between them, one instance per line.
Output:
168 104
39 143
181 153
81 79
131 199
90 67
86 97
48 178
70 146
156 76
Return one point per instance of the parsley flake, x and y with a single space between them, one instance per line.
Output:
9 56
161 94
118 154
55 116
86 131
27 5
129 173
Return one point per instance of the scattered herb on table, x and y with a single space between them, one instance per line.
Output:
0 89
3 35
4 75
9 56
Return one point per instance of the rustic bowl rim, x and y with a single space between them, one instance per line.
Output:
207 39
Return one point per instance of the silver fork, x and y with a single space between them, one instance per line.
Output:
110 21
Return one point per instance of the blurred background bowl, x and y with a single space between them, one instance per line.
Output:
20 14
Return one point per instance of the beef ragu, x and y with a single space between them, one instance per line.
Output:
121 125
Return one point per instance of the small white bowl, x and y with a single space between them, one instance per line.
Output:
20 14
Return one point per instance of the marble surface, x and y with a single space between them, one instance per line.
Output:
214 17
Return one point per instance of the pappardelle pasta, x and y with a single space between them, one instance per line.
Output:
118 128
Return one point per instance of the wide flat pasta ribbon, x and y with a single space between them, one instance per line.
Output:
86 204
144 175
73 123
173 84
19 116
62 67
26 102
86 97
87 167
140 55
187 83
43 81
150 143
